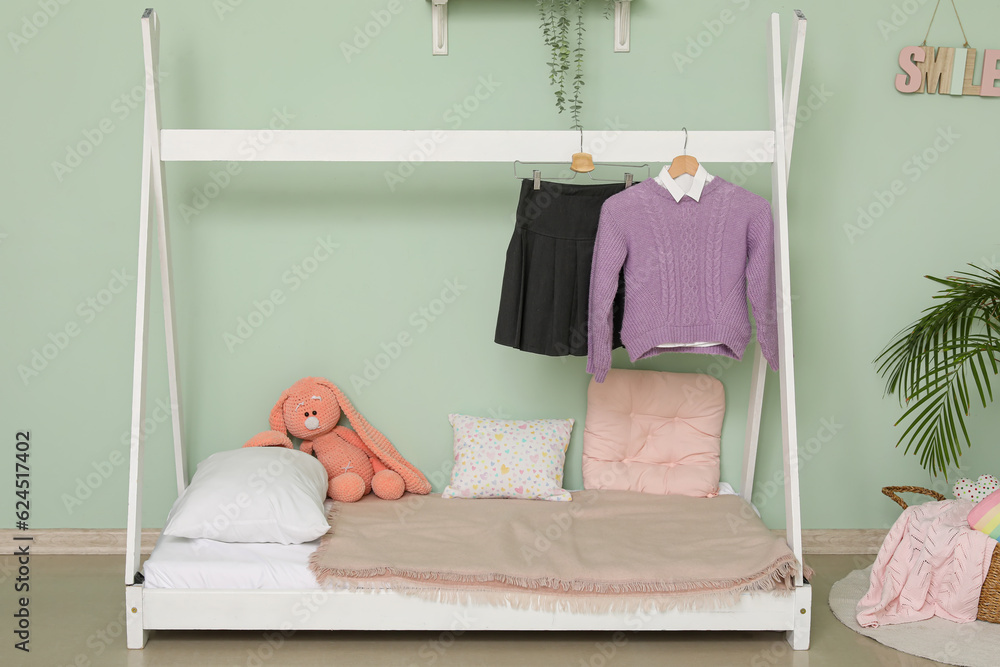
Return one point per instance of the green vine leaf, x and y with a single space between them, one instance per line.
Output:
576 105
566 57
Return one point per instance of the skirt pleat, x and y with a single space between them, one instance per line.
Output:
545 293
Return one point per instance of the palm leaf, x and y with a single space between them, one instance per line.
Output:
927 365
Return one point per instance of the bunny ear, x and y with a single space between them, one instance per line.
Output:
367 432
277 419
413 479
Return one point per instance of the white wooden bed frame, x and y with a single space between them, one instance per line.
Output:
290 610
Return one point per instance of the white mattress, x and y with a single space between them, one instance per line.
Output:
179 562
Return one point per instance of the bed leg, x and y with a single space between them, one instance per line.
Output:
135 634
798 636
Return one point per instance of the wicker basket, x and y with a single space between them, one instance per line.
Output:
989 596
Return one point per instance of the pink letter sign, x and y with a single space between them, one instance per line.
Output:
991 73
914 78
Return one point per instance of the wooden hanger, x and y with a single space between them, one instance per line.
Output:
582 163
683 164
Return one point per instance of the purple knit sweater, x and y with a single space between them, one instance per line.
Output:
689 267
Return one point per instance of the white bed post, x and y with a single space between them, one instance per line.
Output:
793 78
786 371
798 637
151 44
793 81
757 378
152 205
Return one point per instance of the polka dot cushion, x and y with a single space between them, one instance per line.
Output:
966 489
504 458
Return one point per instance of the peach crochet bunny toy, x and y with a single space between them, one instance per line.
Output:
357 461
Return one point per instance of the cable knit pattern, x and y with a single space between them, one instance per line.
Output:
689 269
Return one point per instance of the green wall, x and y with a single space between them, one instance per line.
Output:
69 235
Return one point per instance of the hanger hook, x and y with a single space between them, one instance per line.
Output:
685 140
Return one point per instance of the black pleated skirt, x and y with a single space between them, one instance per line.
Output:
546 284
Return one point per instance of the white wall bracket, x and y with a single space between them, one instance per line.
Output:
623 26
439 26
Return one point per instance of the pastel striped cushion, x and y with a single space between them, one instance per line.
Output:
985 516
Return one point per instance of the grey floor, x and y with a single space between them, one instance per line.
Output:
77 611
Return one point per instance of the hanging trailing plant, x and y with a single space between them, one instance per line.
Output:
562 29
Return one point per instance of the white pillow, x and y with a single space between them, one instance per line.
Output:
253 494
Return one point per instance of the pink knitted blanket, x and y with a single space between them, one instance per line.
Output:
930 564
604 551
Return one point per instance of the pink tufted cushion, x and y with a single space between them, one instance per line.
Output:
654 432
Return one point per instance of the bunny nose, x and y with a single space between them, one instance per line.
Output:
312 423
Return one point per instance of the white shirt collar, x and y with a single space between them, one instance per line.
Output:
701 177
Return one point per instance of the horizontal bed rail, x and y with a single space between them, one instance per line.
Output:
328 609
609 145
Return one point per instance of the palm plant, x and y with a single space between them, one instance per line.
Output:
928 365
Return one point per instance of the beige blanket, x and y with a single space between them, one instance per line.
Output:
606 550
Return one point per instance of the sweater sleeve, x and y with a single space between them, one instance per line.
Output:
610 251
760 281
